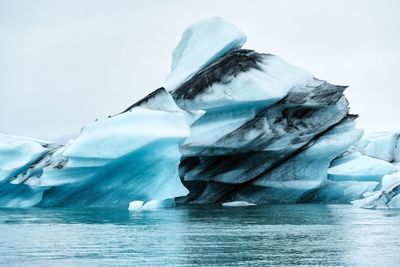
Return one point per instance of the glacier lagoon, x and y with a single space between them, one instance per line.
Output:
271 235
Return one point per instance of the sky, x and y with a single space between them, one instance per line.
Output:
66 63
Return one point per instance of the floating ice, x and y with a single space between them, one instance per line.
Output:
135 205
238 204
158 204
234 126
153 204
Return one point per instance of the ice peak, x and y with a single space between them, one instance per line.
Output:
202 43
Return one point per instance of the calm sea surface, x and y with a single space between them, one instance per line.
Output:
284 235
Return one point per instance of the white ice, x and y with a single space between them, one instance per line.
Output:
381 145
387 197
153 204
357 167
201 44
135 205
158 204
238 204
17 153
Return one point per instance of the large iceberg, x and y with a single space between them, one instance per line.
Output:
231 126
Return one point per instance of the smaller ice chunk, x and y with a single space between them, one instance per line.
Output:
381 145
201 44
153 204
238 204
370 201
17 153
135 205
389 180
387 197
357 167
159 204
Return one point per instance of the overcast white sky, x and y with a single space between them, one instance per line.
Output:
65 63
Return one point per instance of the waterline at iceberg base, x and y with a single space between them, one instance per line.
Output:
230 125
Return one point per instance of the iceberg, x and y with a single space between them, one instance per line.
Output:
231 126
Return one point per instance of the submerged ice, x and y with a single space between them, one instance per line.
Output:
233 126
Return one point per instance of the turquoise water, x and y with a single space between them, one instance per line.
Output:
285 235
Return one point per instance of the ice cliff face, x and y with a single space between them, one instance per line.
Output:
243 127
